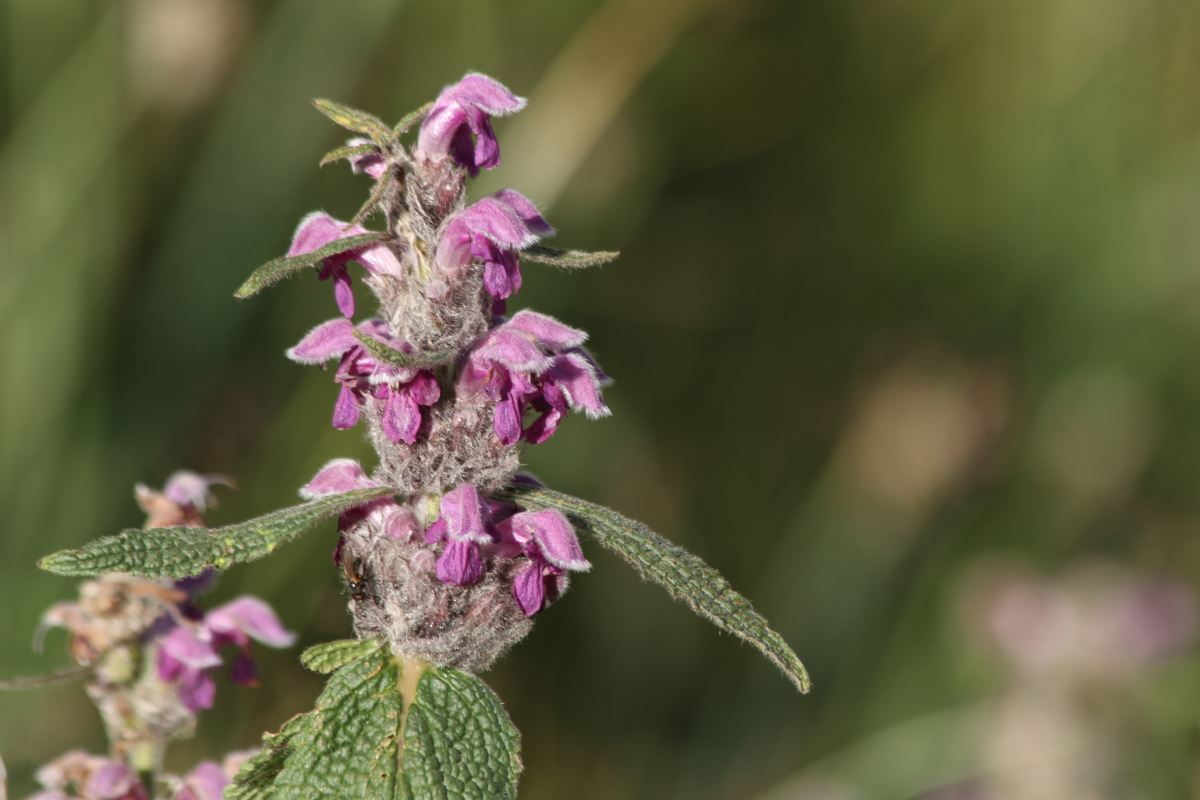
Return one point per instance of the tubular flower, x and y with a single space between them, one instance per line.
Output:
549 543
533 361
399 392
188 654
491 232
317 230
464 110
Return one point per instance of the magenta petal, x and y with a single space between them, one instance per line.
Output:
380 260
526 210
327 341
111 781
460 564
572 374
545 330
513 348
187 648
337 476
436 532
498 222
464 515
506 421
345 410
466 103
425 389
319 229
496 280
197 690
554 537
401 417
454 246
244 673
342 293
251 616
400 524
207 781
530 588
487 94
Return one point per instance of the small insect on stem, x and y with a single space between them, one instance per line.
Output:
355 570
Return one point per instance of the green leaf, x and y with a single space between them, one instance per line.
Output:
410 119
330 656
567 259
685 576
399 358
277 269
181 552
348 151
459 741
355 120
388 728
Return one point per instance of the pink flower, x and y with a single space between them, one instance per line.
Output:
317 230
491 231
547 539
534 362
462 111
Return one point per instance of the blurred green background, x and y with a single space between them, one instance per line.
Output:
907 305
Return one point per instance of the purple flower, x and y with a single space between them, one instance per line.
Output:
319 229
369 163
533 361
192 490
206 782
400 392
491 231
92 777
189 652
464 109
461 526
548 541
385 514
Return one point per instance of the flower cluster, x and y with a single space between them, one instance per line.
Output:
151 651
77 775
447 382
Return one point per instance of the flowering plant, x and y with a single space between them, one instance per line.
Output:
449 551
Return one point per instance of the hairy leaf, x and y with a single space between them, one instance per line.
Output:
685 576
348 151
387 728
568 259
277 269
374 201
411 118
355 120
181 552
398 358
330 656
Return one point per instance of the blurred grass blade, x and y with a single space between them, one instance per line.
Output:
685 576
26 682
568 259
354 120
277 269
183 552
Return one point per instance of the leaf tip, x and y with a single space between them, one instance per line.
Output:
58 563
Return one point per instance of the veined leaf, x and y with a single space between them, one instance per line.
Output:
354 120
411 118
348 151
277 269
330 656
398 358
182 552
685 576
567 259
388 728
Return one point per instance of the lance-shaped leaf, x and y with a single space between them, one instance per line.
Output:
567 259
277 269
411 118
399 358
354 120
182 552
388 728
348 151
684 575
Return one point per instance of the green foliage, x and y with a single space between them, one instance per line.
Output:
568 259
685 576
411 118
391 729
328 657
181 552
277 269
354 120
348 151
398 358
